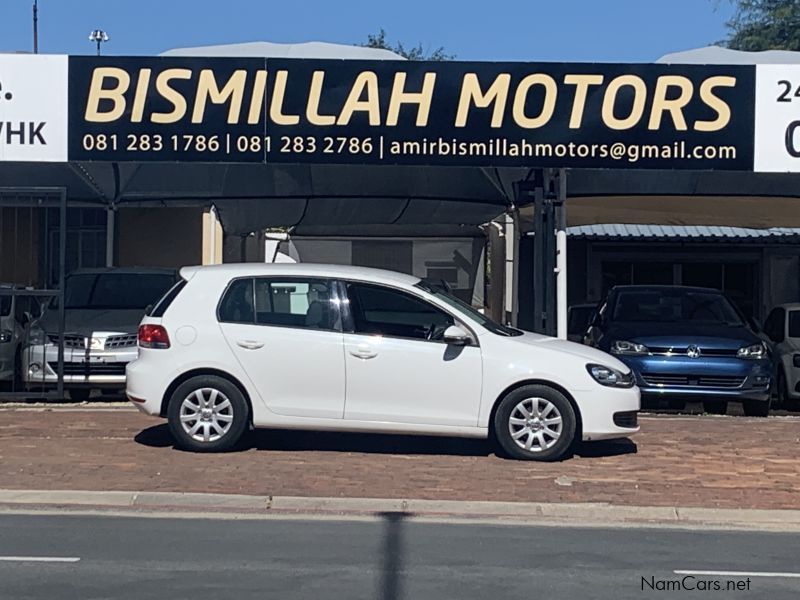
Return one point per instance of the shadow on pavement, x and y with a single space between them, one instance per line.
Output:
391 583
285 440
605 448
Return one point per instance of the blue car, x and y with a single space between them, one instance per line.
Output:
685 343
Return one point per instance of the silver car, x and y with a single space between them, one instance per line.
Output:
102 311
11 332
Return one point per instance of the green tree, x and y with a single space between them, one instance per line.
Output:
378 40
765 25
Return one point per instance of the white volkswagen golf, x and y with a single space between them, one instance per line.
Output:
326 347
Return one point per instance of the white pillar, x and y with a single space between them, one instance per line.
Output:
561 256
213 225
111 214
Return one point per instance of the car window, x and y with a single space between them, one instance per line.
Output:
237 303
579 319
5 306
115 291
794 324
454 302
306 303
673 306
378 310
164 303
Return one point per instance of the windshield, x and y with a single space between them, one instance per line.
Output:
116 291
462 306
794 323
674 306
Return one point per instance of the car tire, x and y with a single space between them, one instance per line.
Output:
80 394
221 411
715 407
782 390
525 418
756 408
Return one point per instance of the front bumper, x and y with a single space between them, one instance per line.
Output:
101 367
718 378
608 413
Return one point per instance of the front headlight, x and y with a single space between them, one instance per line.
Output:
629 348
5 336
754 352
610 377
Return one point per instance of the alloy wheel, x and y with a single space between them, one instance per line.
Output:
535 424
206 415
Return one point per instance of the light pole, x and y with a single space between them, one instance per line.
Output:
99 36
36 26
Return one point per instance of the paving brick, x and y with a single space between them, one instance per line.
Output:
731 462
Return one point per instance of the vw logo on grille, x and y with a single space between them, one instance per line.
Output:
693 352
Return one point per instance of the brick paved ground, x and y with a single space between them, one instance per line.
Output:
686 461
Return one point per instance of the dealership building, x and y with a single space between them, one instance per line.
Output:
525 186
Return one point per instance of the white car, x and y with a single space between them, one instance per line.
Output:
336 348
782 327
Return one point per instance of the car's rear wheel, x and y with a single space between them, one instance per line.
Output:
535 422
715 407
755 408
207 413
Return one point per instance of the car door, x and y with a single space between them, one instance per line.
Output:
398 368
286 333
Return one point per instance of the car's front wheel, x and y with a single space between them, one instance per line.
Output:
535 422
207 413
755 408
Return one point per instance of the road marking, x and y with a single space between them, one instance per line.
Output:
56 559
740 574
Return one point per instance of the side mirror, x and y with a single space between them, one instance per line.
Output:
455 336
27 318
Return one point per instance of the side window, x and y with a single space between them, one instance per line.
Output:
237 304
378 310
305 303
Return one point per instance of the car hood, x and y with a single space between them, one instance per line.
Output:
681 335
587 353
87 322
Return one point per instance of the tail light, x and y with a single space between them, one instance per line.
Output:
153 336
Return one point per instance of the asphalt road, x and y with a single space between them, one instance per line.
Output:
392 558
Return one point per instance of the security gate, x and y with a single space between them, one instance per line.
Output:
32 275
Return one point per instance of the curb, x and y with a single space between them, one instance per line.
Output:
533 513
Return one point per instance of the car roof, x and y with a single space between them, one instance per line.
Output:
659 288
125 271
303 270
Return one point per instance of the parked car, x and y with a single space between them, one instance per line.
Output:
685 343
579 317
272 345
16 312
102 310
782 327
11 332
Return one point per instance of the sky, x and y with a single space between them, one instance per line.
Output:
519 30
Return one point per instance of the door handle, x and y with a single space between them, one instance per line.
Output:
364 353
250 344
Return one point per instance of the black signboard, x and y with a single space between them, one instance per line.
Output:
398 112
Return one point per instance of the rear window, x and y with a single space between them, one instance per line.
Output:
162 305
